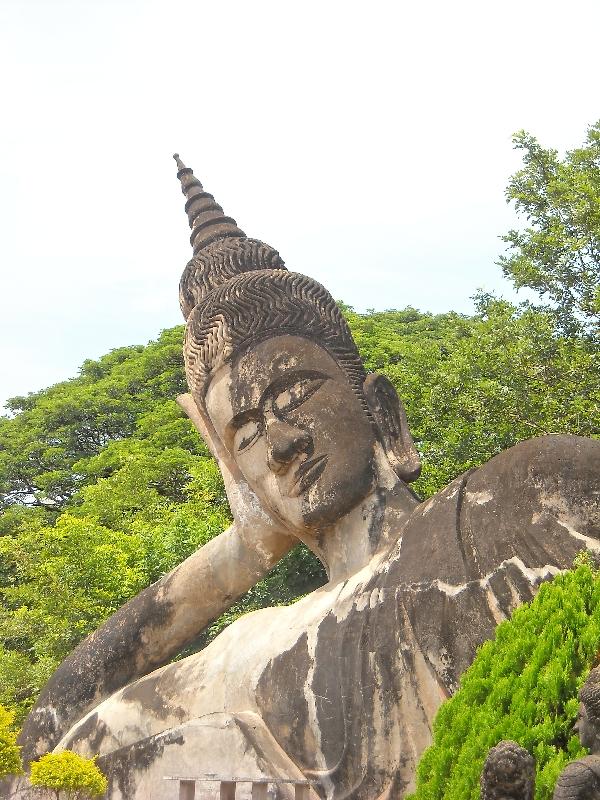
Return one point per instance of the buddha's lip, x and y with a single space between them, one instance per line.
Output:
307 473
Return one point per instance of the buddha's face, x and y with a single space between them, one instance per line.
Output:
298 432
585 729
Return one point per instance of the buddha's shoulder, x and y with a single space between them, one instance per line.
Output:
551 459
579 779
538 501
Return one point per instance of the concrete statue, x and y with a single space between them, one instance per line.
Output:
580 780
340 688
508 773
509 770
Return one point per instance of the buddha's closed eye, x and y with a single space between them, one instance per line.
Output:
247 434
281 403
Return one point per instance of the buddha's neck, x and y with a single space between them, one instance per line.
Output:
369 530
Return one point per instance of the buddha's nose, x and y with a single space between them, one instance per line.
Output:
284 443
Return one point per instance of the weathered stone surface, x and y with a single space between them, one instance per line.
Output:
347 680
342 686
580 780
508 773
149 630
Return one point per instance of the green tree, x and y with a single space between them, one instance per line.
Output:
523 686
53 429
558 253
10 752
68 772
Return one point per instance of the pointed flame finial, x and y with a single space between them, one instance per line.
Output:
207 220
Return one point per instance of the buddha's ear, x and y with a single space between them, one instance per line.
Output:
390 418
205 428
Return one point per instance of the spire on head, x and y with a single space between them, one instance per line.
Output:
207 220
235 289
221 249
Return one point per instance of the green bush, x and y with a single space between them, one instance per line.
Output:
67 772
523 686
10 752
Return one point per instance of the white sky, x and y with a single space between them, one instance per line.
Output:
369 142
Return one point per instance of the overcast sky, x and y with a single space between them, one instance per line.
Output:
369 142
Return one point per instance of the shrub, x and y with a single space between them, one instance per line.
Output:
10 752
68 772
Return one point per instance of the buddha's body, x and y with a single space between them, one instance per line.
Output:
341 687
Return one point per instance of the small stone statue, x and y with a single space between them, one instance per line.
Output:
587 725
508 773
580 780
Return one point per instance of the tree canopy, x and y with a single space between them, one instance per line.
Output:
558 252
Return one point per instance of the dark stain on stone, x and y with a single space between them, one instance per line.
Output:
376 521
465 542
502 593
280 697
151 692
93 731
122 767
103 663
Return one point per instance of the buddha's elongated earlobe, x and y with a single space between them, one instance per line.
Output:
392 425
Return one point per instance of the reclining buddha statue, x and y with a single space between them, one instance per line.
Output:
341 687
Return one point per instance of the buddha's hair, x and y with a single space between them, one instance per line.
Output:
219 261
589 695
509 771
257 305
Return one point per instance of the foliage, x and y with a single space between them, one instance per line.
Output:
523 686
558 253
54 429
68 772
62 580
10 752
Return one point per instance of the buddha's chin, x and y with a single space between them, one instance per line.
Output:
327 503
322 505
303 514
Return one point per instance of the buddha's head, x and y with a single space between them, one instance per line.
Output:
270 360
587 725
508 773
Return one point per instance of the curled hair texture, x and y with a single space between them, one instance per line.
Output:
589 695
220 261
257 305
509 771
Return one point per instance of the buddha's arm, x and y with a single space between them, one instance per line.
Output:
150 630
157 624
